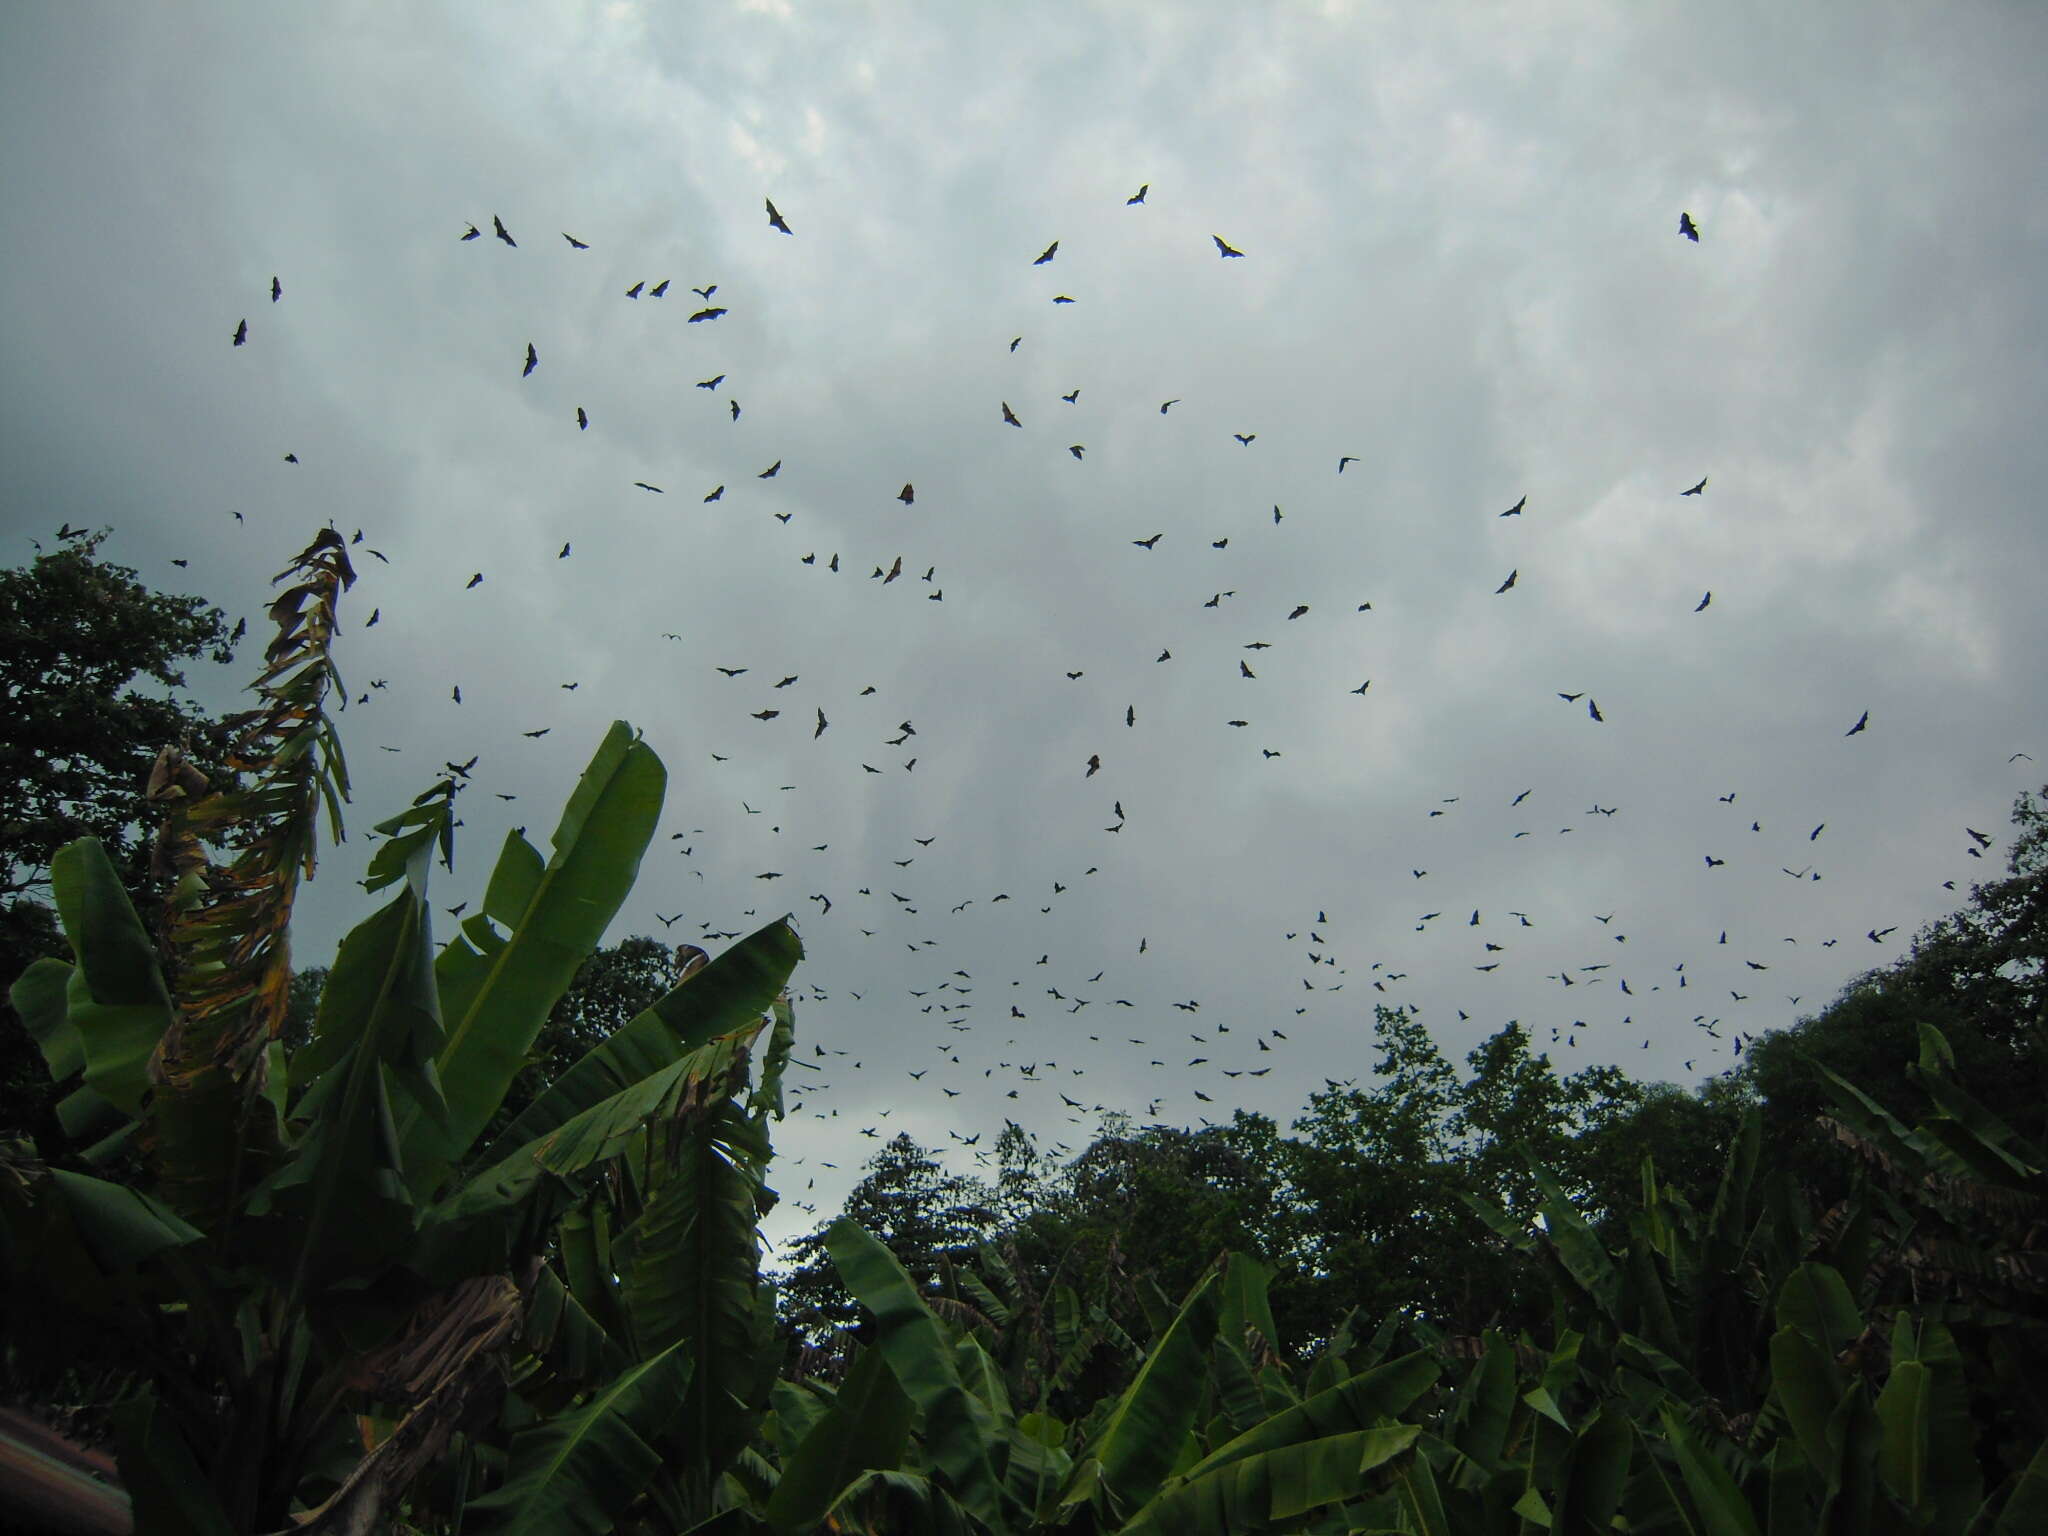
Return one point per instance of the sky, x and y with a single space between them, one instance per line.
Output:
1461 269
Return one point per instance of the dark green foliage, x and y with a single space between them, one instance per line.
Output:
612 988
91 662
922 1214
1980 976
79 640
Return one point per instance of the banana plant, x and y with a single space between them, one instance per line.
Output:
324 1281
921 1434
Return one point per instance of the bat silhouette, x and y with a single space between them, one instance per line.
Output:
775 220
1224 248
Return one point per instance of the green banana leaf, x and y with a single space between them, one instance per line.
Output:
891 1502
2026 1507
574 1474
119 1226
1594 1476
1143 1436
117 1001
960 1433
1253 1492
1359 1402
165 1487
1722 1509
865 1429
560 1331
731 992
494 1005
480 1225
344 1191
690 1274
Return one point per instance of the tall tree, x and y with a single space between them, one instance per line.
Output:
1979 975
91 668
920 1212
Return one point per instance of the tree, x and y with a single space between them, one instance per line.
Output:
77 635
909 1202
80 640
1979 975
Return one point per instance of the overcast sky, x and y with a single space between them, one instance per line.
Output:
1461 265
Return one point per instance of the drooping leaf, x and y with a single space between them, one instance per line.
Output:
574 1474
864 1430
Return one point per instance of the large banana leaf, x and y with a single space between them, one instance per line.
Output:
691 1275
573 1475
1143 1435
118 1003
2026 1508
960 1433
344 1190
865 1429
1593 1476
493 1005
730 993
480 1226
1253 1492
165 1486
1723 1510
1360 1402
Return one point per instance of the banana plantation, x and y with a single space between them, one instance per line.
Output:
346 1296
